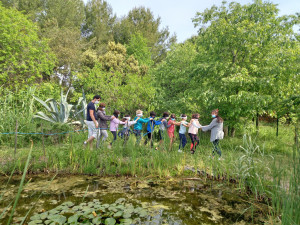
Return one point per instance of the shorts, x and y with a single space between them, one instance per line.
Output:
91 128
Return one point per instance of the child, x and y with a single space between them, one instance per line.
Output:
137 129
126 129
216 127
182 131
193 131
171 129
163 126
102 121
150 127
114 125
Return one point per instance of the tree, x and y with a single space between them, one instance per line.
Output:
24 57
118 78
141 20
174 80
137 47
98 24
60 22
246 49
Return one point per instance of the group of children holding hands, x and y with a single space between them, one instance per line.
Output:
166 124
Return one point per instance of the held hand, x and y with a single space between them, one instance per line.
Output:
163 120
113 117
151 118
138 118
96 125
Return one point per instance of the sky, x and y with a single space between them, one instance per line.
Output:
178 14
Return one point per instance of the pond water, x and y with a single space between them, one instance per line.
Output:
161 201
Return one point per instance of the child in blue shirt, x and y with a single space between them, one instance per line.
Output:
150 127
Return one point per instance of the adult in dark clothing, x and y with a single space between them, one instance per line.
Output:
91 121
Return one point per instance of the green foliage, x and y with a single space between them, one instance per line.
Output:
98 24
174 81
245 52
24 58
125 92
60 113
141 20
137 47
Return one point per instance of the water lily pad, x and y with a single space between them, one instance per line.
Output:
118 214
69 204
126 215
106 205
143 213
57 218
35 217
47 222
114 209
97 220
43 216
35 222
73 219
126 221
110 221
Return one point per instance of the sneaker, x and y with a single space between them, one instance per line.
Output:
179 150
192 152
84 144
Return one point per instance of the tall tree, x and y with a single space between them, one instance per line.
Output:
246 50
24 57
98 24
141 20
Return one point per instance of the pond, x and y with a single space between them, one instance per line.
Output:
115 200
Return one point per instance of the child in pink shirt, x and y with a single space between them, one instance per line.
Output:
114 125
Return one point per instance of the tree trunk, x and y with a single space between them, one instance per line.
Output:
232 132
226 131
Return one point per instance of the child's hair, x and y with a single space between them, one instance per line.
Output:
127 115
183 115
152 113
173 115
101 106
195 116
166 114
139 111
219 119
116 113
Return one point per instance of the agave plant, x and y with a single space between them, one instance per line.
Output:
61 112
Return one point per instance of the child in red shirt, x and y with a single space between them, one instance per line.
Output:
171 129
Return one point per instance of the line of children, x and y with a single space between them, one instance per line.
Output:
216 127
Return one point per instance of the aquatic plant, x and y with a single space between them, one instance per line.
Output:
93 212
